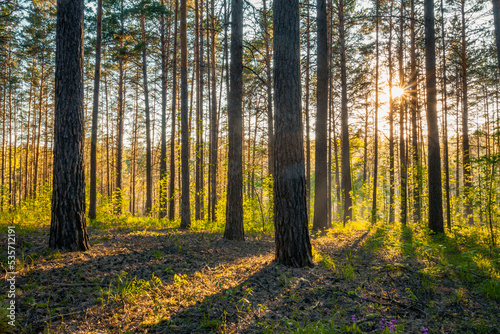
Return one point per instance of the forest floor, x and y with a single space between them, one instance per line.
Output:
145 279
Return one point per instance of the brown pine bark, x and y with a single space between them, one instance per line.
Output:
95 115
68 227
375 144
149 178
434 158
163 146
402 147
467 174
171 192
293 247
320 220
234 212
185 205
346 160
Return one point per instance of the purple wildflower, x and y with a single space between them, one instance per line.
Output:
364 296
353 318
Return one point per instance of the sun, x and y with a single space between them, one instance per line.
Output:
397 92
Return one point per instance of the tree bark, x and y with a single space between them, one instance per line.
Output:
68 226
293 247
185 205
234 210
434 159
171 192
402 146
375 134
95 115
346 160
320 220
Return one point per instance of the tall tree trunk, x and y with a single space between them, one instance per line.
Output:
95 115
375 144
68 227
198 149
465 125
38 133
269 83
308 83
149 179
293 247
391 127
346 160
119 145
171 192
445 123
234 211
214 121
496 20
402 146
417 173
185 205
320 184
434 159
163 146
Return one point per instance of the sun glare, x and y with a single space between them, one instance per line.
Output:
397 91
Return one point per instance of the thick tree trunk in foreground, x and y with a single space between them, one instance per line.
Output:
434 159
402 146
68 227
163 150
320 220
293 247
95 112
171 187
496 20
375 145
234 210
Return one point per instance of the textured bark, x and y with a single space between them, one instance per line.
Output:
214 126
346 160
496 20
269 83
68 227
185 205
391 128
306 116
163 146
198 148
320 220
117 193
149 179
434 159
402 147
417 173
465 126
95 114
375 134
445 125
234 210
293 247
171 192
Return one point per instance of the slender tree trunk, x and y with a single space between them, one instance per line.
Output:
434 159
171 197
346 160
199 162
95 115
269 82
163 150
214 121
375 148
465 126
38 133
119 145
320 170
68 227
496 20
308 83
391 127
185 205
402 146
445 123
417 175
293 247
